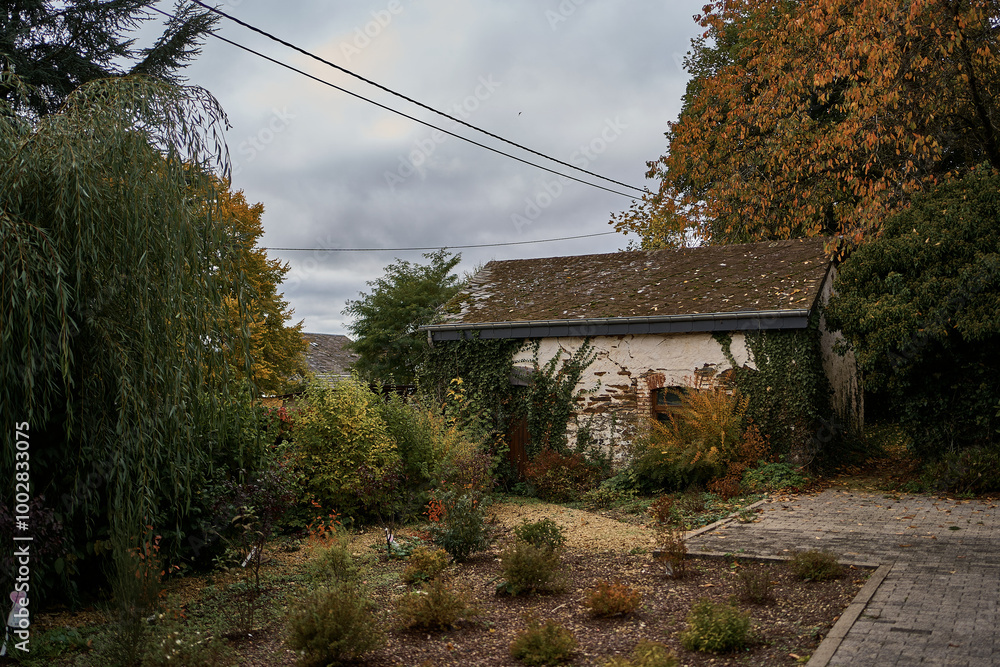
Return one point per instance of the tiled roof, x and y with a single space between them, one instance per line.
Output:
752 277
327 354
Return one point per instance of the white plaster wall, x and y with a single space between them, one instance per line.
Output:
618 380
677 356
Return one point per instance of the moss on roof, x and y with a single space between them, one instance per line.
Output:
773 275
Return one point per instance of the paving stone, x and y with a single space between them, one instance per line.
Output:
939 603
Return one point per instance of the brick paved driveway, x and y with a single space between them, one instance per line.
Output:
936 601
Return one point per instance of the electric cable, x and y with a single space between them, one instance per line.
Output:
449 247
405 115
407 98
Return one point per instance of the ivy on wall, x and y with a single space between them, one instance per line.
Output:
551 396
486 366
788 391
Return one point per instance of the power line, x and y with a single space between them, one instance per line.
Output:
407 98
405 115
450 247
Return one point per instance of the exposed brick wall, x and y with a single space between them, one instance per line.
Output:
649 382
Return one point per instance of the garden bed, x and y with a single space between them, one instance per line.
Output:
598 548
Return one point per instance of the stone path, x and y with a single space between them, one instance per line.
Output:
933 601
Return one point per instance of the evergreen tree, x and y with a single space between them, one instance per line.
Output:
54 47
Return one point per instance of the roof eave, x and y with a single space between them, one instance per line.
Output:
757 320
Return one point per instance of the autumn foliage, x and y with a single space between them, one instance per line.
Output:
823 117
275 352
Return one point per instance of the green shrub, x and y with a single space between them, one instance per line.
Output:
462 531
646 654
340 437
755 585
716 628
437 605
816 565
561 477
767 477
334 563
417 439
529 569
612 599
605 497
918 306
432 448
548 644
333 624
545 533
424 564
972 470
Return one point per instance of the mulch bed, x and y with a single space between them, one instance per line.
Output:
786 631
599 548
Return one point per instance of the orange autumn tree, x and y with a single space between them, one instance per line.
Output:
823 117
276 351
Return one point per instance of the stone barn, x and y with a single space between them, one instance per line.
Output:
655 319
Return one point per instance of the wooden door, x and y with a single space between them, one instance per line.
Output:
517 442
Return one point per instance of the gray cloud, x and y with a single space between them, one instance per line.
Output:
332 171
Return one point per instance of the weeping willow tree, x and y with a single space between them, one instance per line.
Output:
111 291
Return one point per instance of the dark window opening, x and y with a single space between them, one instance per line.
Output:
666 400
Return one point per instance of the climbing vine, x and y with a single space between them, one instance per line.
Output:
486 367
552 396
788 391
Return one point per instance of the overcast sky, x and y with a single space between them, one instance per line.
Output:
590 82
